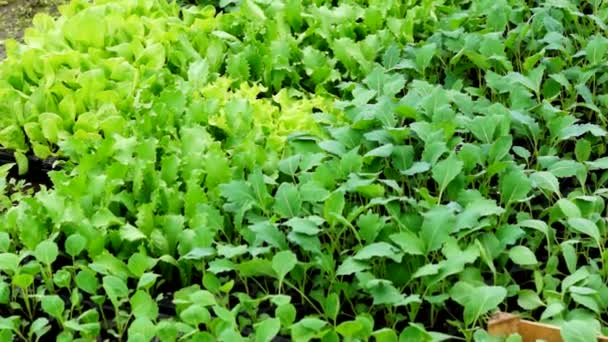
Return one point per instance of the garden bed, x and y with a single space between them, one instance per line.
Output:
301 170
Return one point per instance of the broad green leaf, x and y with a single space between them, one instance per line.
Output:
385 335
267 232
195 315
408 242
139 263
40 327
375 80
9 262
141 329
586 227
568 208
445 171
415 332
565 168
552 310
47 252
146 280
333 146
575 278
424 55
288 202
283 262
115 288
381 152
199 253
75 244
570 256
433 151
478 300
23 280
598 164
529 300
350 266
522 255
253 10
539 225
87 281
166 330
417 167
332 306
586 301
561 79
370 225
290 165
142 305
350 329
62 278
436 227
393 84
307 328
514 187
333 207
313 191
577 130
238 192
582 150
51 124
391 56
130 233
379 250
546 181
267 329
426 270
229 251
54 306
385 293
5 293
286 312
5 239
596 48
579 331
484 128
304 226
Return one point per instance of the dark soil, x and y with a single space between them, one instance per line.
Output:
38 169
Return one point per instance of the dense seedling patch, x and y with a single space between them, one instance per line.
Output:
305 170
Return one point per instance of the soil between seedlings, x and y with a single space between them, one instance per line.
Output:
38 169
17 15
